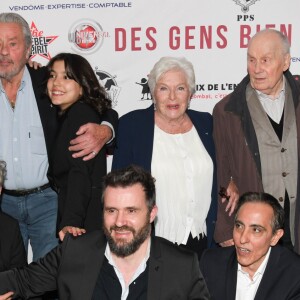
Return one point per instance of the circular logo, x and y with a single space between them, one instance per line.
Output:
86 35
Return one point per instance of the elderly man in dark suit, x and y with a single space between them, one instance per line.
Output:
256 268
12 251
256 132
131 265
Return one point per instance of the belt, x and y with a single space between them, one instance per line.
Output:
19 193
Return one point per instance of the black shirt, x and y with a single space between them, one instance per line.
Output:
108 286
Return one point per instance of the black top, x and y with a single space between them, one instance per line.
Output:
12 250
108 286
278 128
78 182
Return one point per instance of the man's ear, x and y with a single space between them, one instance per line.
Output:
276 237
28 51
153 213
287 62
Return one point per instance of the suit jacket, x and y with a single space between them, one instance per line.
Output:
135 146
280 281
78 182
73 268
12 251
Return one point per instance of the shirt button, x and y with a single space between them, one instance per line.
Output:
282 150
284 174
280 199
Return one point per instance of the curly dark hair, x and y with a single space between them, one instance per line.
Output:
79 69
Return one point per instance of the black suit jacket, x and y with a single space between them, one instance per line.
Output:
12 251
281 279
73 268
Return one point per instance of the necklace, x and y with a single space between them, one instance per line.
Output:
11 91
12 104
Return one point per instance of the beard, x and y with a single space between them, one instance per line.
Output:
14 69
121 247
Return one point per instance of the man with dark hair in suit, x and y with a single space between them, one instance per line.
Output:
256 268
130 265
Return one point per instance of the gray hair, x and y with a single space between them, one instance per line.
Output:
16 18
168 63
2 172
283 39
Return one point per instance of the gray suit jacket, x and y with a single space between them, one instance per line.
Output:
73 268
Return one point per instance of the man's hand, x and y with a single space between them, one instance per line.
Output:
91 138
227 243
35 65
232 196
7 296
75 231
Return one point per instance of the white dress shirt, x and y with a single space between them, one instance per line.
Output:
246 287
273 106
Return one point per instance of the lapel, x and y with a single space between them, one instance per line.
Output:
93 259
267 280
258 115
237 105
155 270
204 133
145 137
289 113
231 278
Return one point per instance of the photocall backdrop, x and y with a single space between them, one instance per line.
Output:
123 39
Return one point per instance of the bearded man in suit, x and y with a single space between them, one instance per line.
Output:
130 265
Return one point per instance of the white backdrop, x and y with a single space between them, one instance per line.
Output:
123 39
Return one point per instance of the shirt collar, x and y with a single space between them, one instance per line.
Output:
109 257
262 267
25 78
264 96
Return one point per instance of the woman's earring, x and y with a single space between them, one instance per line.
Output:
154 103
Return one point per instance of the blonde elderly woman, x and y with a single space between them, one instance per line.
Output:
12 250
174 143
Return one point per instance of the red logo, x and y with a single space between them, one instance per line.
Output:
40 42
87 36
